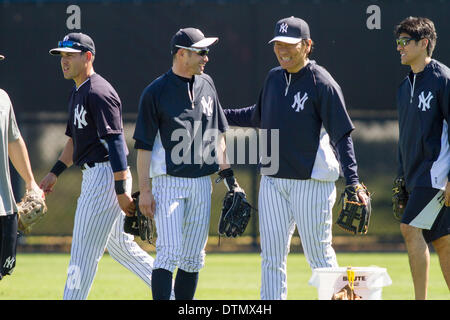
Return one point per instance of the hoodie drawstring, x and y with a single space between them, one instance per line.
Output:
288 82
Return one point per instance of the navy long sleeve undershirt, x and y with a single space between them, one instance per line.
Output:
117 153
347 159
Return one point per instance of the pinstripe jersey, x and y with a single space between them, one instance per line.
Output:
173 121
423 102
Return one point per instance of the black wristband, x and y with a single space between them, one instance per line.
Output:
227 175
119 186
58 168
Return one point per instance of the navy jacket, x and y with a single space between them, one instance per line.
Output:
180 131
423 102
299 109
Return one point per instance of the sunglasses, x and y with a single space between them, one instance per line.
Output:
200 52
71 44
403 41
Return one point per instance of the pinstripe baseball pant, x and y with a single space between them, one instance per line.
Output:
183 210
284 204
98 225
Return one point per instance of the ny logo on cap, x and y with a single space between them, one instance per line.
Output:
283 27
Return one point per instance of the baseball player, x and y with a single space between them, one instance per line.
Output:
303 103
12 145
180 144
96 144
423 102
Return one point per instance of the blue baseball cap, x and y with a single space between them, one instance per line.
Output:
291 30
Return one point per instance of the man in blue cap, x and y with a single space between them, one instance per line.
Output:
96 144
177 109
302 102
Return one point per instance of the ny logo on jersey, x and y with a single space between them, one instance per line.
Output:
207 106
283 27
80 117
9 263
299 101
424 102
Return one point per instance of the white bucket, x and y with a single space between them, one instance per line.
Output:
369 281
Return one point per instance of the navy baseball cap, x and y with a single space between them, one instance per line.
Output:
291 30
74 42
190 38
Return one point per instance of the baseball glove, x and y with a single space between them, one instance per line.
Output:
235 214
399 198
139 225
31 209
353 210
346 293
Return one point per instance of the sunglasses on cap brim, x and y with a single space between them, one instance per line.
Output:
202 52
71 44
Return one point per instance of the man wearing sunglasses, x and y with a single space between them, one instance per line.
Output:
12 148
304 103
95 144
423 102
180 143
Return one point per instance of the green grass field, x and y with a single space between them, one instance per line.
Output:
225 277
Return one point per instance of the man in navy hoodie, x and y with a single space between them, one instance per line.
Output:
423 102
302 103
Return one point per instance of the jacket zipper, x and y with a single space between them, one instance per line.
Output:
412 87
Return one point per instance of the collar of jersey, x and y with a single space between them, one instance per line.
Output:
89 78
177 79
301 72
422 73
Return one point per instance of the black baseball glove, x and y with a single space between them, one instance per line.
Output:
353 210
139 225
236 211
399 198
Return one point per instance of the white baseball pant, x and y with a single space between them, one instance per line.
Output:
183 210
284 204
98 225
